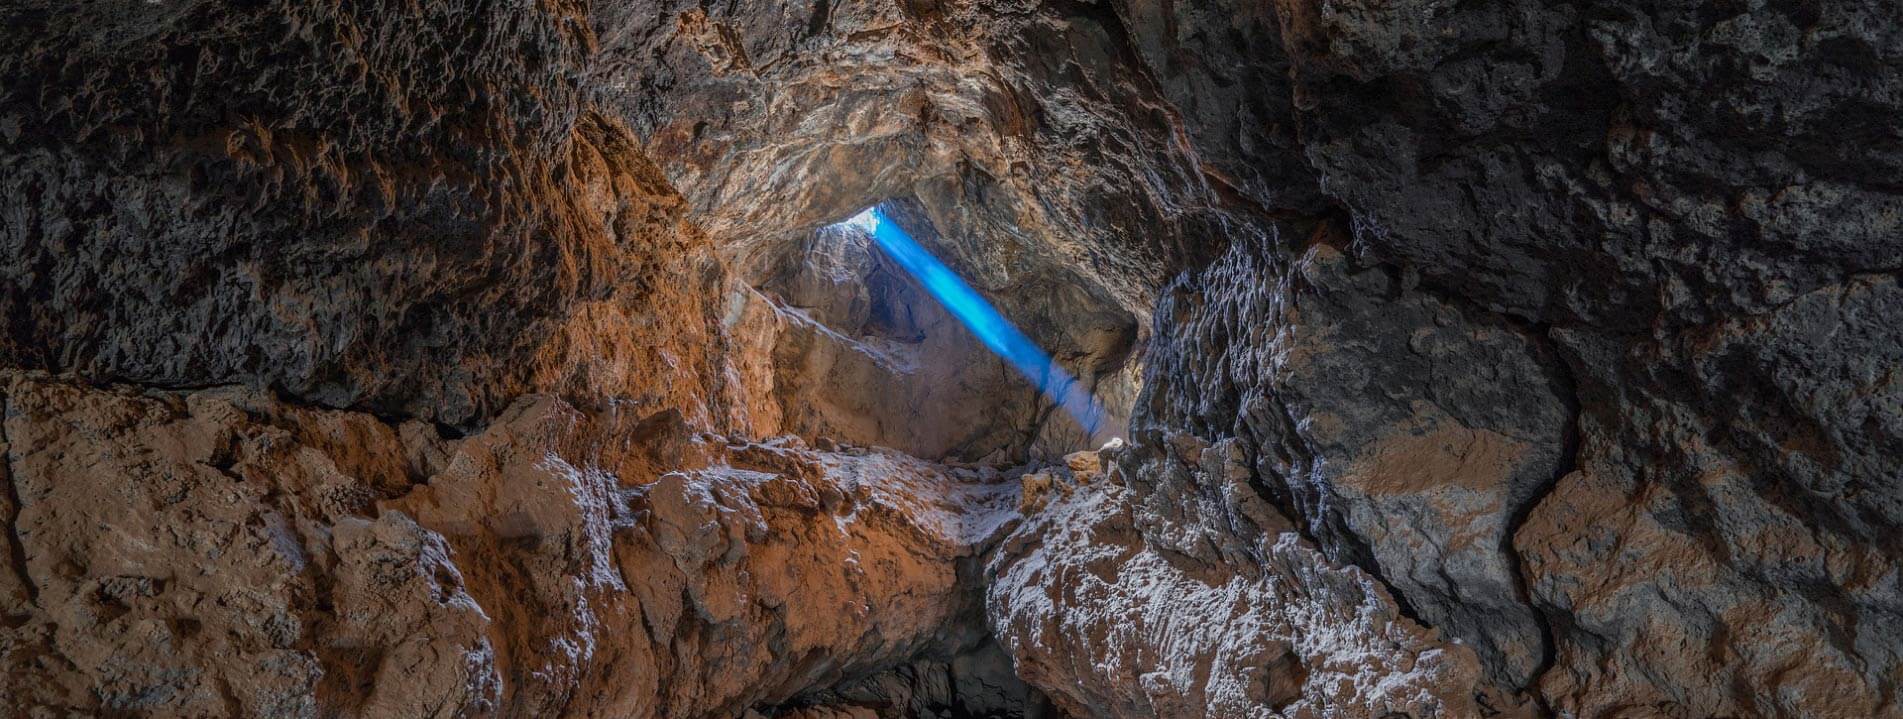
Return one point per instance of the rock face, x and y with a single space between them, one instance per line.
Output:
1115 626
1412 434
1733 515
1575 371
355 218
1027 132
221 553
1479 359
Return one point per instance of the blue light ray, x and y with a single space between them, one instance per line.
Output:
991 328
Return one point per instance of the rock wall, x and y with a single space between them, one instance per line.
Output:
1496 358
1581 364
1543 250
1410 433
352 205
1113 622
222 553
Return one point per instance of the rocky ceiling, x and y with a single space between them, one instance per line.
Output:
456 358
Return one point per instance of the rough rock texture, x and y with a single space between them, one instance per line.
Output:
1027 131
1617 165
1037 157
356 207
1732 522
221 553
1635 258
351 204
1566 332
1115 627
1222 68
1409 433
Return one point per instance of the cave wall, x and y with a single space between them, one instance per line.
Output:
223 553
1517 358
406 209
357 364
1583 361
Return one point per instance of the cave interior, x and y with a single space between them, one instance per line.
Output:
1294 359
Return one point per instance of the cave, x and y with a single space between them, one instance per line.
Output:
973 359
866 351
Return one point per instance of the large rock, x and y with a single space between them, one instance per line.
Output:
201 556
1667 205
219 553
1728 542
1112 626
1725 505
1678 197
1408 433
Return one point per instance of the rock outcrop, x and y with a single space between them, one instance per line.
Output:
1558 372
1113 625
221 553
1412 434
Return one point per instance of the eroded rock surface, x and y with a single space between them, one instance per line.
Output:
1675 253
221 553
1732 521
348 204
1113 626
1410 434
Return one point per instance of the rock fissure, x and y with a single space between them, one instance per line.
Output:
16 547
1567 464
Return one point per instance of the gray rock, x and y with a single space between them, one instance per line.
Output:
1407 434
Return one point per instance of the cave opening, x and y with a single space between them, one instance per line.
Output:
981 318
933 324
974 347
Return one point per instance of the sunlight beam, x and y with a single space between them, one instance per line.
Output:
980 317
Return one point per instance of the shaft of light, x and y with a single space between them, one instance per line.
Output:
970 308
